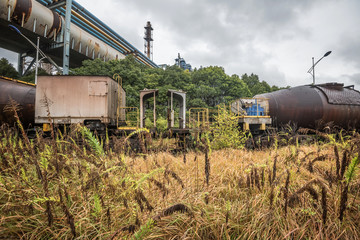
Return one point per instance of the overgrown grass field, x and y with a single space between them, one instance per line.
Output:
69 186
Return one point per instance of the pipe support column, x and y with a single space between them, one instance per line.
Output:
66 56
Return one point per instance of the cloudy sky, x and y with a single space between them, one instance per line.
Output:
275 39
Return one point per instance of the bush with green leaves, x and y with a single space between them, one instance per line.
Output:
225 131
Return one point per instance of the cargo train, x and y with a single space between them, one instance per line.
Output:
100 101
96 101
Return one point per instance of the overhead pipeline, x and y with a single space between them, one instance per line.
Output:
90 39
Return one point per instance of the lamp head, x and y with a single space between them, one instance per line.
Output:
327 54
12 27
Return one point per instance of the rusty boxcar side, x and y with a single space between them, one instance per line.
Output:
78 99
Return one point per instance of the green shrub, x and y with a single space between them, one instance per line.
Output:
225 131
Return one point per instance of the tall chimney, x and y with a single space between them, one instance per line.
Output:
148 40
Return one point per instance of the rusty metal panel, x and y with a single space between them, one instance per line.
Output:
23 94
309 106
300 105
98 88
116 101
74 99
56 25
342 96
22 11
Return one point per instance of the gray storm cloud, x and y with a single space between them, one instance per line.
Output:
274 39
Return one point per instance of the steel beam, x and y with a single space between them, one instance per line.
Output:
29 67
96 28
56 5
20 67
180 96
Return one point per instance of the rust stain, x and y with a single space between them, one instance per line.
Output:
308 106
22 11
97 47
56 26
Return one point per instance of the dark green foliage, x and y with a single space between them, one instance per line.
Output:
205 87
7 69
213 86
30 76
257 87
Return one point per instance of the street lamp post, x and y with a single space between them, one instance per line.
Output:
37 59
312 69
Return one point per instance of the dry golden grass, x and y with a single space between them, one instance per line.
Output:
233 207
88 193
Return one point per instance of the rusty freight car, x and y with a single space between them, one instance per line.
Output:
96 101
23 94
312 105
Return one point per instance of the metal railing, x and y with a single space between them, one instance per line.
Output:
131 118
250 107
198 118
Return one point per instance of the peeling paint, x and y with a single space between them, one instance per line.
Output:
22 11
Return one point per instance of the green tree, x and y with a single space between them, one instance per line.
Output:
7 69
30 76
225 131
131 72
214 86
205 87
256 86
